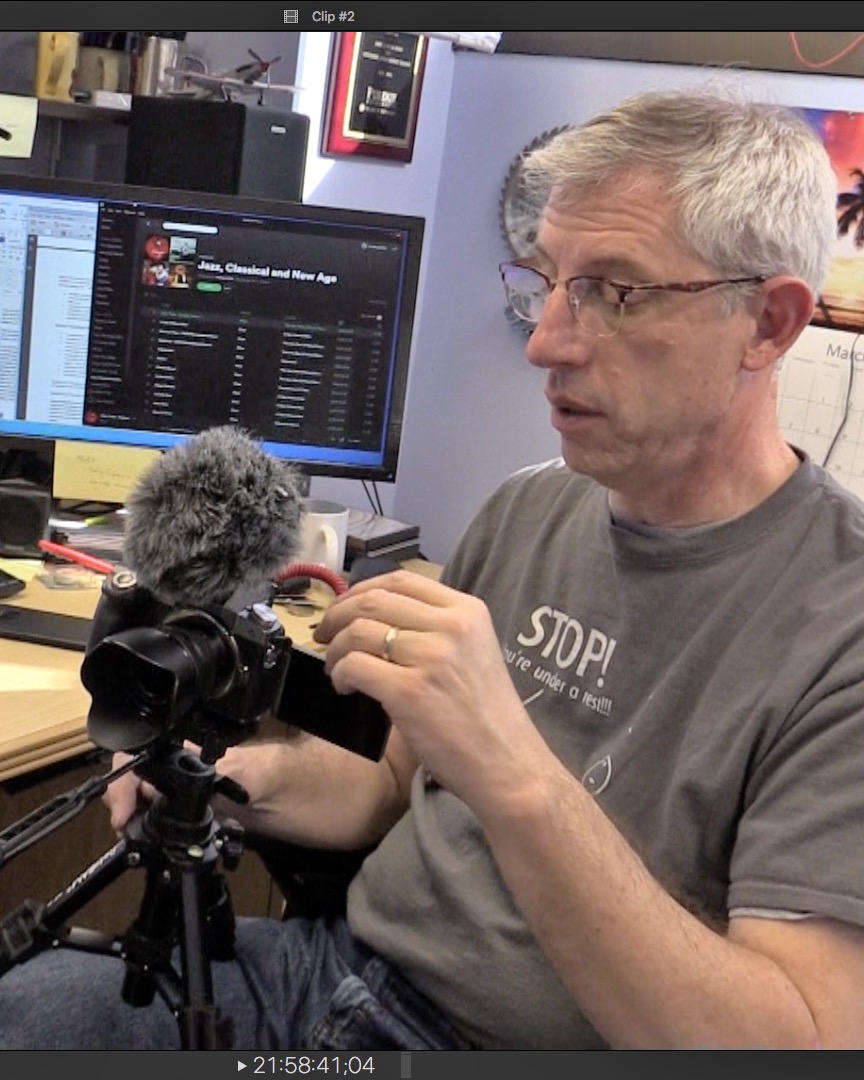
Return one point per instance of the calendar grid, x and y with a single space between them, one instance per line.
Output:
822 370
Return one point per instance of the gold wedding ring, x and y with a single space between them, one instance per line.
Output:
387 647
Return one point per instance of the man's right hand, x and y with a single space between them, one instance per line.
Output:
126 795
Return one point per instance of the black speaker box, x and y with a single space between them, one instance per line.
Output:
24 513
221 146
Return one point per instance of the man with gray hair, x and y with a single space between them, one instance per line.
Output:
622 804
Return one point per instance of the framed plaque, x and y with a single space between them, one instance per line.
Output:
373 94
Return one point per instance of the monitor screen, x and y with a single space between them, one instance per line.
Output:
136 316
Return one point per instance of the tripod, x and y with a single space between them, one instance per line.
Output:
185 906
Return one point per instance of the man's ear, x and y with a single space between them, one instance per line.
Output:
783 307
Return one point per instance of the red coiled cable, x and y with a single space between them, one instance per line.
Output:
313 570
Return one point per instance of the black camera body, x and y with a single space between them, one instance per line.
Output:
209 674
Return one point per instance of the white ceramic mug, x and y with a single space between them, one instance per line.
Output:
323 533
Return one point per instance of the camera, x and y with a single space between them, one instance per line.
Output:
209 674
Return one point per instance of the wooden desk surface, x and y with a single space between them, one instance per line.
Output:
43 706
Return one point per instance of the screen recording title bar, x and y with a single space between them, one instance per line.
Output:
540 18
263 15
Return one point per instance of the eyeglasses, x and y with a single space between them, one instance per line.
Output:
598 304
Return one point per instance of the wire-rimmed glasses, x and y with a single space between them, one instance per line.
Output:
597 303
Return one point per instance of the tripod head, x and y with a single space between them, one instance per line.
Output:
181 815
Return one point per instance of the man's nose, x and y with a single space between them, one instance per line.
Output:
558 338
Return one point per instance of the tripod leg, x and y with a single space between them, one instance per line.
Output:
201 1025
31 928
178 910
150 940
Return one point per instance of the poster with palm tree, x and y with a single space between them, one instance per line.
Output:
841 305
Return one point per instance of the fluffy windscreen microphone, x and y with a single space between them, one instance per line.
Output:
213 515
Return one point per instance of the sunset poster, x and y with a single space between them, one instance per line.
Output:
841 305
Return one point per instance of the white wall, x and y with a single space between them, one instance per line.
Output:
475 410
373 184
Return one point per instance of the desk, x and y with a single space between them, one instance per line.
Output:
43 706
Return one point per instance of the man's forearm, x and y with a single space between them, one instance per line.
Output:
645 971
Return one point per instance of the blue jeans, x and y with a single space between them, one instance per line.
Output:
296 984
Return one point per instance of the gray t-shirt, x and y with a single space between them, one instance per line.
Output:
706 685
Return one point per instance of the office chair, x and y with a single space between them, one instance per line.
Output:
313 881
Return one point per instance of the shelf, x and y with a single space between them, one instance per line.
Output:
72 110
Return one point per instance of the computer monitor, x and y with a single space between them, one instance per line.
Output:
139 316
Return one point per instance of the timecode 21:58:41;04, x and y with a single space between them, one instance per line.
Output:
307 1064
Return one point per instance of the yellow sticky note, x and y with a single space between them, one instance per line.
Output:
23 569
18 116
96 472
